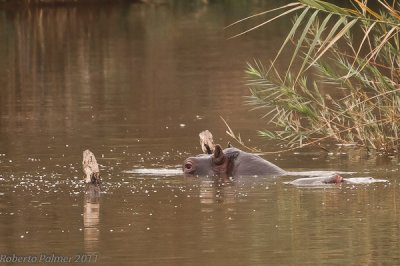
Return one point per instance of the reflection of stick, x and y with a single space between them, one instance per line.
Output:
206 142
90 168
91 221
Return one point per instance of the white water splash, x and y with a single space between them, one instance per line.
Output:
364 180
317 173
155 171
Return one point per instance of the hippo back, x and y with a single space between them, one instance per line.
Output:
247 164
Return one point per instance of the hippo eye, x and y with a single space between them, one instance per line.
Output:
188 166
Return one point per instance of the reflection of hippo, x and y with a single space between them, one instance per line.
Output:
230 162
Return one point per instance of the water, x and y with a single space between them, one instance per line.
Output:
136 84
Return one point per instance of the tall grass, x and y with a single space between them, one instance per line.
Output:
344 89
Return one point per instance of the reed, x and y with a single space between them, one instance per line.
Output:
344 89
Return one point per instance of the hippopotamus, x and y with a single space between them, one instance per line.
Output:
334 179
230 162
319 180
233 162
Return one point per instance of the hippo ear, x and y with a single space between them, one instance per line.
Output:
218 156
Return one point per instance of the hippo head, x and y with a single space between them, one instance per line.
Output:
337 179
217 163
334 179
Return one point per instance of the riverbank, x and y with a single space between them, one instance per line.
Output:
65 2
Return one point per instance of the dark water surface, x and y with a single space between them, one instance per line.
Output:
136 84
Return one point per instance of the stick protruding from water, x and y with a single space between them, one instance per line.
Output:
90 168
206 142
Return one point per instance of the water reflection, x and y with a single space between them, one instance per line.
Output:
91 218
126 73
217 200
217 191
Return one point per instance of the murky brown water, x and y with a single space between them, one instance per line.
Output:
136 84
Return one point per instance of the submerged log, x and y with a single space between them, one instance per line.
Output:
90 168
206 142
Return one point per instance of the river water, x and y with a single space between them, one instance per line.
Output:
136 84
